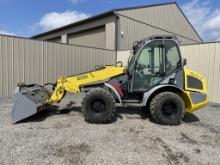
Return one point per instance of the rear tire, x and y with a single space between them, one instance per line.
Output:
98 106
167 108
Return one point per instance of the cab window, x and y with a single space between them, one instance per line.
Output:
156 60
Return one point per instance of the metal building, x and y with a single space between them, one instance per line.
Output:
119 28
106 38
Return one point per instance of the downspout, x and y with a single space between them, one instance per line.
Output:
116 35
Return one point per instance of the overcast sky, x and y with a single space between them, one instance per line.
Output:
30 17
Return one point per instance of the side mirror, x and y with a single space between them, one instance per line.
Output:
134 44
184 61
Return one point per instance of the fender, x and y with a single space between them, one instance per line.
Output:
148 94
115 92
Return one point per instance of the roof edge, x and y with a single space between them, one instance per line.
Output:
189 23
107 13
145 6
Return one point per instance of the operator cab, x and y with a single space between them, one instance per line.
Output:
153 60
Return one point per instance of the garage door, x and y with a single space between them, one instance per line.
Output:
93 38
58 39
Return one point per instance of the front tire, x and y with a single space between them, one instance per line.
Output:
167 108
98 106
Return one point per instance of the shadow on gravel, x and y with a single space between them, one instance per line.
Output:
54 110
49 111
133 112
190 118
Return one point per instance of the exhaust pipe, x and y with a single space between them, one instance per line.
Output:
29 100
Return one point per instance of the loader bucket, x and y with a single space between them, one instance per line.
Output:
29 100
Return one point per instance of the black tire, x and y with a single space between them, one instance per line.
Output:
167 108
98 106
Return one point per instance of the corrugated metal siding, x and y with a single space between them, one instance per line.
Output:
167 17
134 31
123 56
205 59
29 61
95 38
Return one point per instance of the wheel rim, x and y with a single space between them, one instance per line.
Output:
169 109
98 106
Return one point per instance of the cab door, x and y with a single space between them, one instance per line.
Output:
147 66
156 60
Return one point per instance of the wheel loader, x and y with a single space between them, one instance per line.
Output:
155 78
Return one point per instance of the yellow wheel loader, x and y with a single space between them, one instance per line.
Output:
155 78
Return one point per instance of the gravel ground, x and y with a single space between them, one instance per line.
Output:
63 137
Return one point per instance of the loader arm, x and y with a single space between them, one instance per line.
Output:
74 83
30 99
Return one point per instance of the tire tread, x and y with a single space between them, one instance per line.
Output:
98 91
157 116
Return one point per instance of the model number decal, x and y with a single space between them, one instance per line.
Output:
196 75
81 77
